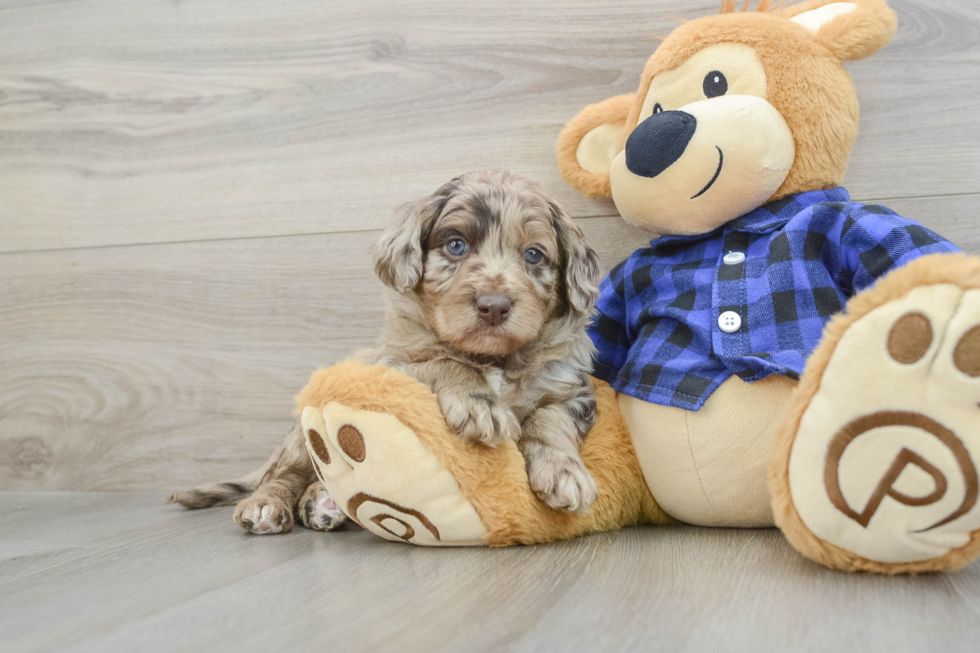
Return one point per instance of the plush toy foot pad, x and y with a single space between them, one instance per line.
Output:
373 465
882 470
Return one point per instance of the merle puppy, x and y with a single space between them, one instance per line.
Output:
490 286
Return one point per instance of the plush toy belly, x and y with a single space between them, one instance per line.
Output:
708 468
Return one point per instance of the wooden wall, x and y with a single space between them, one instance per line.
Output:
188 192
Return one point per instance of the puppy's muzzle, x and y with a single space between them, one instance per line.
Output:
493 309
658 142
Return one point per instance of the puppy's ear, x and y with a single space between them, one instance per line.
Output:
590 142
398 253
580 264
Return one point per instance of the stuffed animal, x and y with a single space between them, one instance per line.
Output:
778 355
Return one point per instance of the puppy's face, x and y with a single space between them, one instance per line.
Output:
492 264
498 261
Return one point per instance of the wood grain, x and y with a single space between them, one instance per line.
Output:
125 123
119 572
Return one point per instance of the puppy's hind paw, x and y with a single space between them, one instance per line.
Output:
264 515
318 510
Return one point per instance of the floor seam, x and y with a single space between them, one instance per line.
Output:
194 241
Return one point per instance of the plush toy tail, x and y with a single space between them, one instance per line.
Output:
390 460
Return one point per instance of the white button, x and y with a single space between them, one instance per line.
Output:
729 321
733 258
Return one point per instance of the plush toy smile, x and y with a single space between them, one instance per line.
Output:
659 141
694 168
721 163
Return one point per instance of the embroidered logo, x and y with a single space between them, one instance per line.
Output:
886 486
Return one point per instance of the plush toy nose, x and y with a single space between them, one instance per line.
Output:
658 142
493 309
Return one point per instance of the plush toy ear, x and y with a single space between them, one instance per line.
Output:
850 30
580 263
590 142
398 253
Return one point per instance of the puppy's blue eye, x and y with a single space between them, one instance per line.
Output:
456 247
533 256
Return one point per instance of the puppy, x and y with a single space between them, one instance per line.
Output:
490 285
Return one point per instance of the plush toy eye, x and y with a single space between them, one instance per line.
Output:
657 109
715 84
533 256
456 247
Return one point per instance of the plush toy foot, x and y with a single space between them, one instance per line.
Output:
385 454
875 467
363 457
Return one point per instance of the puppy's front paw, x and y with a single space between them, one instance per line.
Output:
560 479
479 417
318 510
264 515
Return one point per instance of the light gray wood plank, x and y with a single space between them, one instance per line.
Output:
162 365
119 572
159 121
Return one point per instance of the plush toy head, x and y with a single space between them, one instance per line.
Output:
732 111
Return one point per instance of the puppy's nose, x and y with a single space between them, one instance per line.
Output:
493 309
658 142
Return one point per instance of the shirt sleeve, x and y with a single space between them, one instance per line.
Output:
608 326
875 240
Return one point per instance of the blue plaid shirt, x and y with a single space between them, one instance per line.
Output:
657 328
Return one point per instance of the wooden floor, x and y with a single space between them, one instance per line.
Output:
188 194
120 572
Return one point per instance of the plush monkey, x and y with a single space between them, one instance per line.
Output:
778 355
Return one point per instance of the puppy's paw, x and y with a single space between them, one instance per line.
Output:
318 510
479 417
560 479
264 515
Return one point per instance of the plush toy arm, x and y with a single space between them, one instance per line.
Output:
608 327
589 143
875 241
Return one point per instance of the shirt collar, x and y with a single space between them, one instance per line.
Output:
770 216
